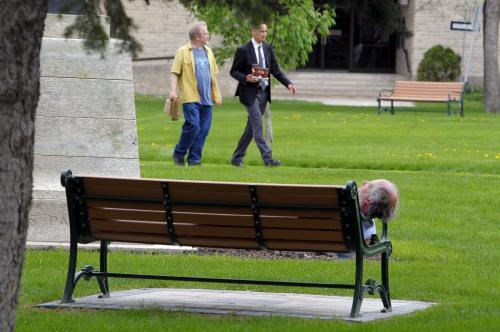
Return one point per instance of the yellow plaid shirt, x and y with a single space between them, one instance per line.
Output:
183 66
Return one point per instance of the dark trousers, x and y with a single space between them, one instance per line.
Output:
253 130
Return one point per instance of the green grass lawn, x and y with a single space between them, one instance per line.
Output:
445 237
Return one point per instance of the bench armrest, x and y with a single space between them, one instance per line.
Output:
384 245
455 91
385 93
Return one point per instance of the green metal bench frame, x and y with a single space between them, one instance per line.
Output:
80 232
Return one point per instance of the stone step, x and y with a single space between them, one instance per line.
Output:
338 84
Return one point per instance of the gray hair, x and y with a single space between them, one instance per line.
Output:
381 206
195 30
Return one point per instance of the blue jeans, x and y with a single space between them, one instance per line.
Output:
197 121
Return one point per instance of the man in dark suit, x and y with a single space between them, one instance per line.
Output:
255 93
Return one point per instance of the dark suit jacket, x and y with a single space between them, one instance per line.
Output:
242 66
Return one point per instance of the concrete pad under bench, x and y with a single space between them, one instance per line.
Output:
245 303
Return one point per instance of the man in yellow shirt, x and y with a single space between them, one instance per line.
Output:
193 73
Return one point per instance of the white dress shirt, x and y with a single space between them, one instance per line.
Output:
256 49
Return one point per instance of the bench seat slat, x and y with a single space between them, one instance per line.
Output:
222 243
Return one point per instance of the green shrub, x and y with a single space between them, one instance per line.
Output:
439 64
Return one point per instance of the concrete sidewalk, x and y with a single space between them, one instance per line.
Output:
133 247
364 102
222 302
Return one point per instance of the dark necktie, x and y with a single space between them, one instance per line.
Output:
261 65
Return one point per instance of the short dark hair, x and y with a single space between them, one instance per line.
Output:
256 26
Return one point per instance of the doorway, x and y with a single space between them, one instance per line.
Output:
353 44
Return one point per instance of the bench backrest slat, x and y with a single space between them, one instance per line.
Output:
216 219
223 243
292 217
194 230
432 90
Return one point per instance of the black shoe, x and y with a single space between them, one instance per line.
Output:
273 163
237 163
194 164
178 160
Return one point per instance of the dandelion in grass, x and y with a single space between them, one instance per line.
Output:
426 155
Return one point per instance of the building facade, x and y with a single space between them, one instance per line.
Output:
353 46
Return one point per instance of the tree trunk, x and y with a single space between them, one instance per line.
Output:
21 29
491 74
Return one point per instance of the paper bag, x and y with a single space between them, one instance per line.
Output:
172 108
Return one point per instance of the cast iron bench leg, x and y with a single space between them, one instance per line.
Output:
103 266
70 284
358 286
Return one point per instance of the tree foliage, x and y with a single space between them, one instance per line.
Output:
293 25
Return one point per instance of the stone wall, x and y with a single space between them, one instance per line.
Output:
85 122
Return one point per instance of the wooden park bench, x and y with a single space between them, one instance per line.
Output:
321 218
436 92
